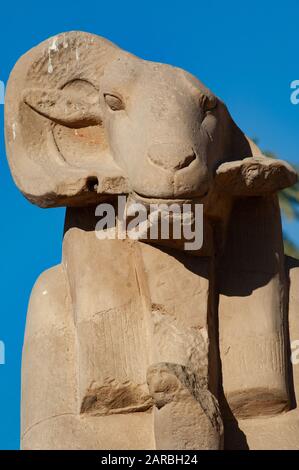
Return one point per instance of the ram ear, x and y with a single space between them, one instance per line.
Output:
254 176
63 107
249 172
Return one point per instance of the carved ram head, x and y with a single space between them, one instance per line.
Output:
86 120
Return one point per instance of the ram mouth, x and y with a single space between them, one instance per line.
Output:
166 200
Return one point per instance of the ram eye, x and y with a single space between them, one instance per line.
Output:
114 102
207 102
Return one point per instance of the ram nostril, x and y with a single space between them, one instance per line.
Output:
173 156
186 161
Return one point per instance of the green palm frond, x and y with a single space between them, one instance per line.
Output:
286 206
290 248
289 205
289 197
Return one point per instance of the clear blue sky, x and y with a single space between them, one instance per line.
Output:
246 52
